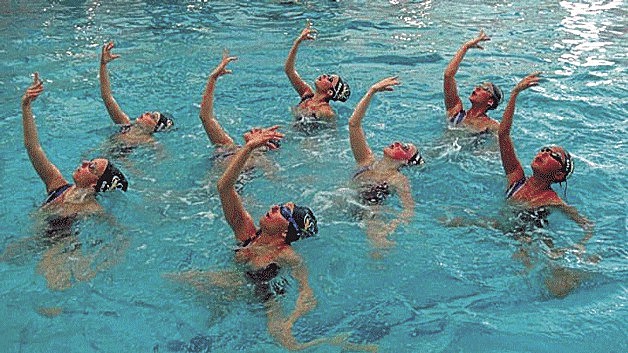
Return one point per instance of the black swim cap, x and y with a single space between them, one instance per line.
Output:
568 166
341 90
303 223
111 179
417 159
165 121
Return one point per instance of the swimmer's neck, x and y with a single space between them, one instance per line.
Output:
536 182
476 112
387 163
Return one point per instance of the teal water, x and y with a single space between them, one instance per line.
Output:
440 289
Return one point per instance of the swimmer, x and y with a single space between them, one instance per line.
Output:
145 125
90 178
534 195
328 87
226 148
485 96
267 248
377 178
63 205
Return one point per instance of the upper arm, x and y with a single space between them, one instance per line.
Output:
402 186
236 215
453 103
301 86
510 162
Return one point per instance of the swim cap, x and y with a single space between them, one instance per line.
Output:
568 166
495 92
302 223
111 179
341 90
165 121
417 159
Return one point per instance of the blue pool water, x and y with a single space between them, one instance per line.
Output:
440 289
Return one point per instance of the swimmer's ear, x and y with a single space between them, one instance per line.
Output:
560 176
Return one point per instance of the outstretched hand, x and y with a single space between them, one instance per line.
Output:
259 137
34 90
308 33
475 42
386 84
221 69
528 81
107 56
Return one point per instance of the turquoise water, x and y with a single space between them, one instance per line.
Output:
440 289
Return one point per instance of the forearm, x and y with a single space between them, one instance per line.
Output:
360 110
506 124
357 137
292 57
114 110
213 129
454 64
207 103
31 137
46 171
230 176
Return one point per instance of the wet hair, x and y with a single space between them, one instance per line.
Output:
495 92
165 121
111 179
303 223
341 90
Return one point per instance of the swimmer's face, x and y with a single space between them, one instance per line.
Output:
88 173
274 222
399 151
481 95
148 119
550 161
326 83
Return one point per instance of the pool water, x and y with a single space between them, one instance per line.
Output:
439 289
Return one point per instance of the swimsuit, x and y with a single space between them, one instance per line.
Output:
221 153
58 227
125 128
54 194
372 193
527 220
267 282
458 118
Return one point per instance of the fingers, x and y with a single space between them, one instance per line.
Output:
107 47
35 89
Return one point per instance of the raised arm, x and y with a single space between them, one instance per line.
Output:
47 171
510 162
217 135
361 151
299 85
236 215
453 104
115 112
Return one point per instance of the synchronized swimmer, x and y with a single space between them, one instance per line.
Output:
265 249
